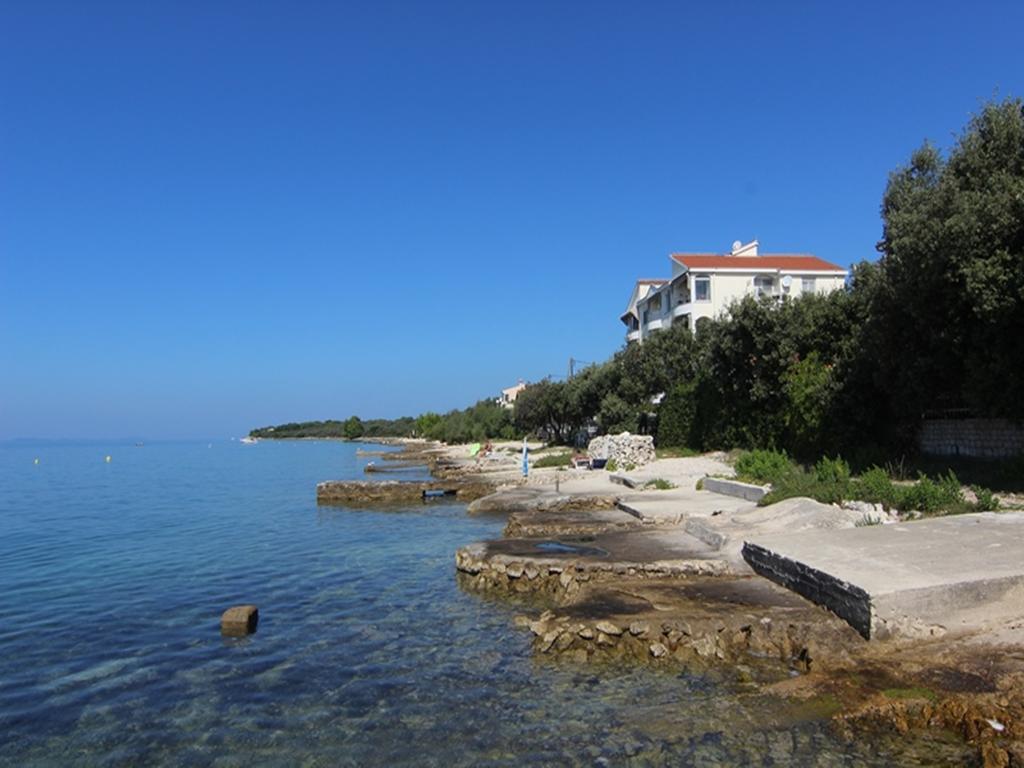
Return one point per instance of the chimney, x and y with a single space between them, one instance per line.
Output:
739 249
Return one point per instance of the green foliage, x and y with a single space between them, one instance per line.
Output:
763 466
659 484
798 482
808 387
553 460
931 496
876 487
986 500
834 471
353 428
611 466
677 417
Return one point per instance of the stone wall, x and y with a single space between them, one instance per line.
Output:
978 438
625 449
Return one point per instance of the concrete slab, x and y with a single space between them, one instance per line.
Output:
919 578
728 487
679 504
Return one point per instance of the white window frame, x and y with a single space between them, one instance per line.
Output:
697 279
760 289
808 285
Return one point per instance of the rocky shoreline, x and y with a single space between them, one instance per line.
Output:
596 588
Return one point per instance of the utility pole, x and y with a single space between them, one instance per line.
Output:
572 364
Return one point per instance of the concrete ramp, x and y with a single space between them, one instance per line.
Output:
918 578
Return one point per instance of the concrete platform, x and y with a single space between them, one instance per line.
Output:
681 503
922 578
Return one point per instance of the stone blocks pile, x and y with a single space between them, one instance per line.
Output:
625 450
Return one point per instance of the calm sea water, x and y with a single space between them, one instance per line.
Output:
113 577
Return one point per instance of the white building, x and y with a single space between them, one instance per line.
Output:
509 395
631 317
703 285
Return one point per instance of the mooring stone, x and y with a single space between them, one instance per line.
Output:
239 620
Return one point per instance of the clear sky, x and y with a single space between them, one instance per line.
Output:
220 215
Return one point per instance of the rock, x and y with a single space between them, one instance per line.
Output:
658 650
549 639
538 627
608 628
239 620
565 579
639 628
625 450
531 572
564 641
603 639
586 633
514 571
521 621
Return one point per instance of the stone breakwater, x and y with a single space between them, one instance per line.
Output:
375 493
796 645
561 578
625 450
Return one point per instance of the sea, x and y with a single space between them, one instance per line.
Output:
117 560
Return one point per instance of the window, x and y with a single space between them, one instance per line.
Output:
807 285
702 288
764 285
655 303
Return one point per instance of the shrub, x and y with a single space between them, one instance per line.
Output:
986 500
930 496
876 487
611 466
763 466
553 460
659 484
797 482
832 471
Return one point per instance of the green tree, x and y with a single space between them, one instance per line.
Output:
353 428
952 313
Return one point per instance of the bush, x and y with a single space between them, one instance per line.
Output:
677 415
611 466
876 487
986 500
832 471
763 466
931 496
553 460
800 483
659 484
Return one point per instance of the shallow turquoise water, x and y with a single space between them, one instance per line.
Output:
113 577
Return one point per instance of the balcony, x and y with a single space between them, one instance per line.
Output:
683 309
654 325
633 336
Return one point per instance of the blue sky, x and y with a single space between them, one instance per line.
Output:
215 216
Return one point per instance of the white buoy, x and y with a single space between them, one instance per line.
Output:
108 459
35 461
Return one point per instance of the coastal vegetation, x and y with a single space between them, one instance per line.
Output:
831 481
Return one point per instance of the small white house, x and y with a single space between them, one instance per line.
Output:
509 395
705 284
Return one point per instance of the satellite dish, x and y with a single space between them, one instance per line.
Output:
787 281
736 245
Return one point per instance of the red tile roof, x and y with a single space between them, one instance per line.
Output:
785 261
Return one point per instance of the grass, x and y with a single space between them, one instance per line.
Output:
675 453
911 693
553 460
659 484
